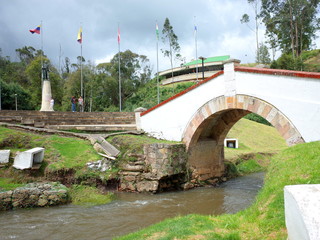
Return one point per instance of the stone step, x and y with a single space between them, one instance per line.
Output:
119 127
43 119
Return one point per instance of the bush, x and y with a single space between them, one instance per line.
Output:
257 118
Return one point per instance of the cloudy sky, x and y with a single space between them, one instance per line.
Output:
218 22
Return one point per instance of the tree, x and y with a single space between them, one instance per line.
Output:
134 69
263 55
291 22
246 19
9 93
174 47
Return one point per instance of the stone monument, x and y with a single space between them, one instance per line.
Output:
46 90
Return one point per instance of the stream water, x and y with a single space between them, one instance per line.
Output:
128 213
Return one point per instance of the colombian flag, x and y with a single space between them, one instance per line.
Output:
79 39
36 30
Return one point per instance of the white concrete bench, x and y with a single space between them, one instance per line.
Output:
231 143
4 156
302 211
27 159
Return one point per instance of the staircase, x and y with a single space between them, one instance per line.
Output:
88 121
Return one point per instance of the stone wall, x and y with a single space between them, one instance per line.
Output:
160 167
34 195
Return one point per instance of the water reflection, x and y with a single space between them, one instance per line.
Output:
128 213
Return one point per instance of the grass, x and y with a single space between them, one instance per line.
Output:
73 153
7 184
60 152
133 144
88 196
263 220
255 138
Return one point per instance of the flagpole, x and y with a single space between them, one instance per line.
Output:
81 76
41 56
157 35
195 40
119 67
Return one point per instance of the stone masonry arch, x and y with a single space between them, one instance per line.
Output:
205 133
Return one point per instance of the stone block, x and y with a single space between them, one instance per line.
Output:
4 156
147 186
27 159
302 211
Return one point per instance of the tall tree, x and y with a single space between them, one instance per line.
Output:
292 22
172 39
134 69
263 54
246 19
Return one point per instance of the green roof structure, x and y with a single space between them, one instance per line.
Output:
194 70
209 60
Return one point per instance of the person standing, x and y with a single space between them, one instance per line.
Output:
73 104
80 102
51 104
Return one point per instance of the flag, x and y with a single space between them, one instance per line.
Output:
195 30
36 30
157 31
79 39
118 35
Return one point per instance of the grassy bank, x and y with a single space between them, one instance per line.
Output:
61 155
254 138
60 152
263 220
88 196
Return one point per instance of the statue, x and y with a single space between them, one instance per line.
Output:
45 71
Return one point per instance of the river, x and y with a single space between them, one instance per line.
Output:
128 213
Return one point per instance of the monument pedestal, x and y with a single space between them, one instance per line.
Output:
46 96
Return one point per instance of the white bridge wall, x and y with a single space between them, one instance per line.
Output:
296 97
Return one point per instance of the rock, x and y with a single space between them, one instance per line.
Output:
125 173
213 181
128 186
129 178
42 202
34 195
147 186
5 200
187 186
101 165
132 168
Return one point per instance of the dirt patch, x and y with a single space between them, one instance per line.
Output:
68 177
16 141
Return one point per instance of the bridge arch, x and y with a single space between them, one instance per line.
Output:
205 133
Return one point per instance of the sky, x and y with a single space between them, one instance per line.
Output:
219 31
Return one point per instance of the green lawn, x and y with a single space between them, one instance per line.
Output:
254 137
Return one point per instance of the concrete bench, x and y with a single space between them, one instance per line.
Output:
302 211
4 156
27 159
231 143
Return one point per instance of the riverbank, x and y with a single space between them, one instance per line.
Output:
66 160
263 220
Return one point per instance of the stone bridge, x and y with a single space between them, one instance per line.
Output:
202 115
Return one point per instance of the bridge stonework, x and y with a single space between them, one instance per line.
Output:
204 135
248 104
202 115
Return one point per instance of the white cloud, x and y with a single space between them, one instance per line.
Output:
219 29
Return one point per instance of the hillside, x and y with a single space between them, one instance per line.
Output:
254 137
